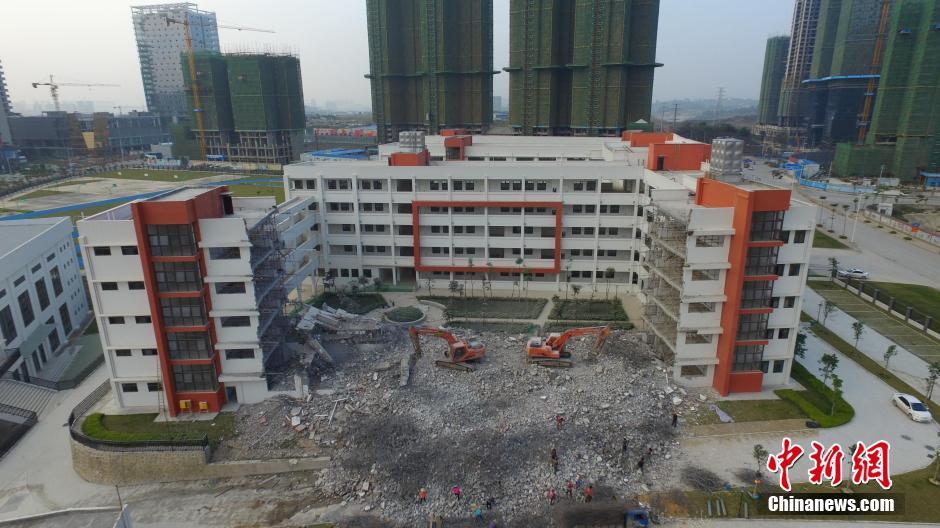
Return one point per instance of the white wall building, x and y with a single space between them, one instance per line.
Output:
42 300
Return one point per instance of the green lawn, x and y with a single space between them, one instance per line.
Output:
752 411
88 211
561 326
404 314
248 190
823 240
157 174
41 193
358 304
142 428
491 307
77 182
924 299
589 310
507 327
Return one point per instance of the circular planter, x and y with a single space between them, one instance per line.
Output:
408 323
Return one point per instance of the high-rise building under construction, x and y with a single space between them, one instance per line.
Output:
430 65
581 67
794 98
903 139
841 68
775 65
250 107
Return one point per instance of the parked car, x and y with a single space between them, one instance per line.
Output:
853 273
912 407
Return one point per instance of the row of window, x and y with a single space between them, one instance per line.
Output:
131 285
25 304
152 386
344 184
105 251
126 352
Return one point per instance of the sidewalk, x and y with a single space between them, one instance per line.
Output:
910 368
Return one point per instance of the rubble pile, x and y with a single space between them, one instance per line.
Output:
490 431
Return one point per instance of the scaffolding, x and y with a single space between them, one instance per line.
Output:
267 257
664 262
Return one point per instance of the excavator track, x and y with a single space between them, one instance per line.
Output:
463 367
553 363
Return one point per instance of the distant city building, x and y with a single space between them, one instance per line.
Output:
793 109
582 67
841 68
430 65
161 44
497 103
775 65
188 290
5 110
252 107
42 298
903 140
60 134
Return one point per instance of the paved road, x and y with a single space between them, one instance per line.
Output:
875 419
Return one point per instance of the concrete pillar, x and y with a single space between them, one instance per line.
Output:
907 314
874 296
927 320
890 304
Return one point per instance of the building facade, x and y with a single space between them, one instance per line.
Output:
61 134
793 110
42 298
581 67
189 290
775 65
430 65
161 43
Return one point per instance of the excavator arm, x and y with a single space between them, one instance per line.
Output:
600 331
459 352
417 331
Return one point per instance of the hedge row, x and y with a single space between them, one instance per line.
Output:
816 400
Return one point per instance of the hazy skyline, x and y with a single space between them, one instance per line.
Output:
715 43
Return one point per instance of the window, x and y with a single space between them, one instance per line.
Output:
183 311
177 276
50 257
225 288
701 307
778 366
153 387
19 280
56 281
240 353
757 294
35 268
748 358
109 286
760 261
794 270
142 319
171 240
235 321
195 378
129 250
789 302
54 341
225 253
115 320
66 320
752 326
123 352
101 251
709 241
26 308
692 371
765 225
135 285
42 294
692 338
783 333
779 269
784 236
148 352
7 325
128 387
799 237
188 345
705 275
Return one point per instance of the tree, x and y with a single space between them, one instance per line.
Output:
526 278
470 265
828 308
890 353
519 262
828 363
608 274
363 281
799 350
760 456
454 287
833 268
836 392
857 330
575 289
429 284
378 283
845 216
933 373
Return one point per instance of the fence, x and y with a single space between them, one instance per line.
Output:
836 187
69 383
904 227
927 323
114 445
14 430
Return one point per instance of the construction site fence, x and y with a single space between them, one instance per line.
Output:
837 187
926 323
199 444
914 232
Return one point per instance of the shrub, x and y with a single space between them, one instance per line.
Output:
816 400
880 226
893 232
908 238
843 237
94 427
404 314
589 310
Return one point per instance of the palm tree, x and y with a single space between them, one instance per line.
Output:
608 273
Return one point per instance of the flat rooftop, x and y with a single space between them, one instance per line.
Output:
15 233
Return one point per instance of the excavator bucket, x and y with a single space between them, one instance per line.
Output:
602 339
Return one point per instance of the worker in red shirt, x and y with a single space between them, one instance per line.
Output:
423 495
588 493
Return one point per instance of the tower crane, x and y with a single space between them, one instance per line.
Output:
54 88
194 83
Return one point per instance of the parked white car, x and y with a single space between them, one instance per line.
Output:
912 407
853 273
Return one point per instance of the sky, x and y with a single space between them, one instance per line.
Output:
704 44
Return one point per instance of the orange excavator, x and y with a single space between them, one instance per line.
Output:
459 352
550 351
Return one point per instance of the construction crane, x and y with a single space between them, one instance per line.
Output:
873 70
54 88
194 82
459 352
550 352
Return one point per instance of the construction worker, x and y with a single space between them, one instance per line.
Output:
456 492
490 502
578 481
478 513
554 460
675 420
552 496
423 495
569 489
641 463
559 421
588 493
